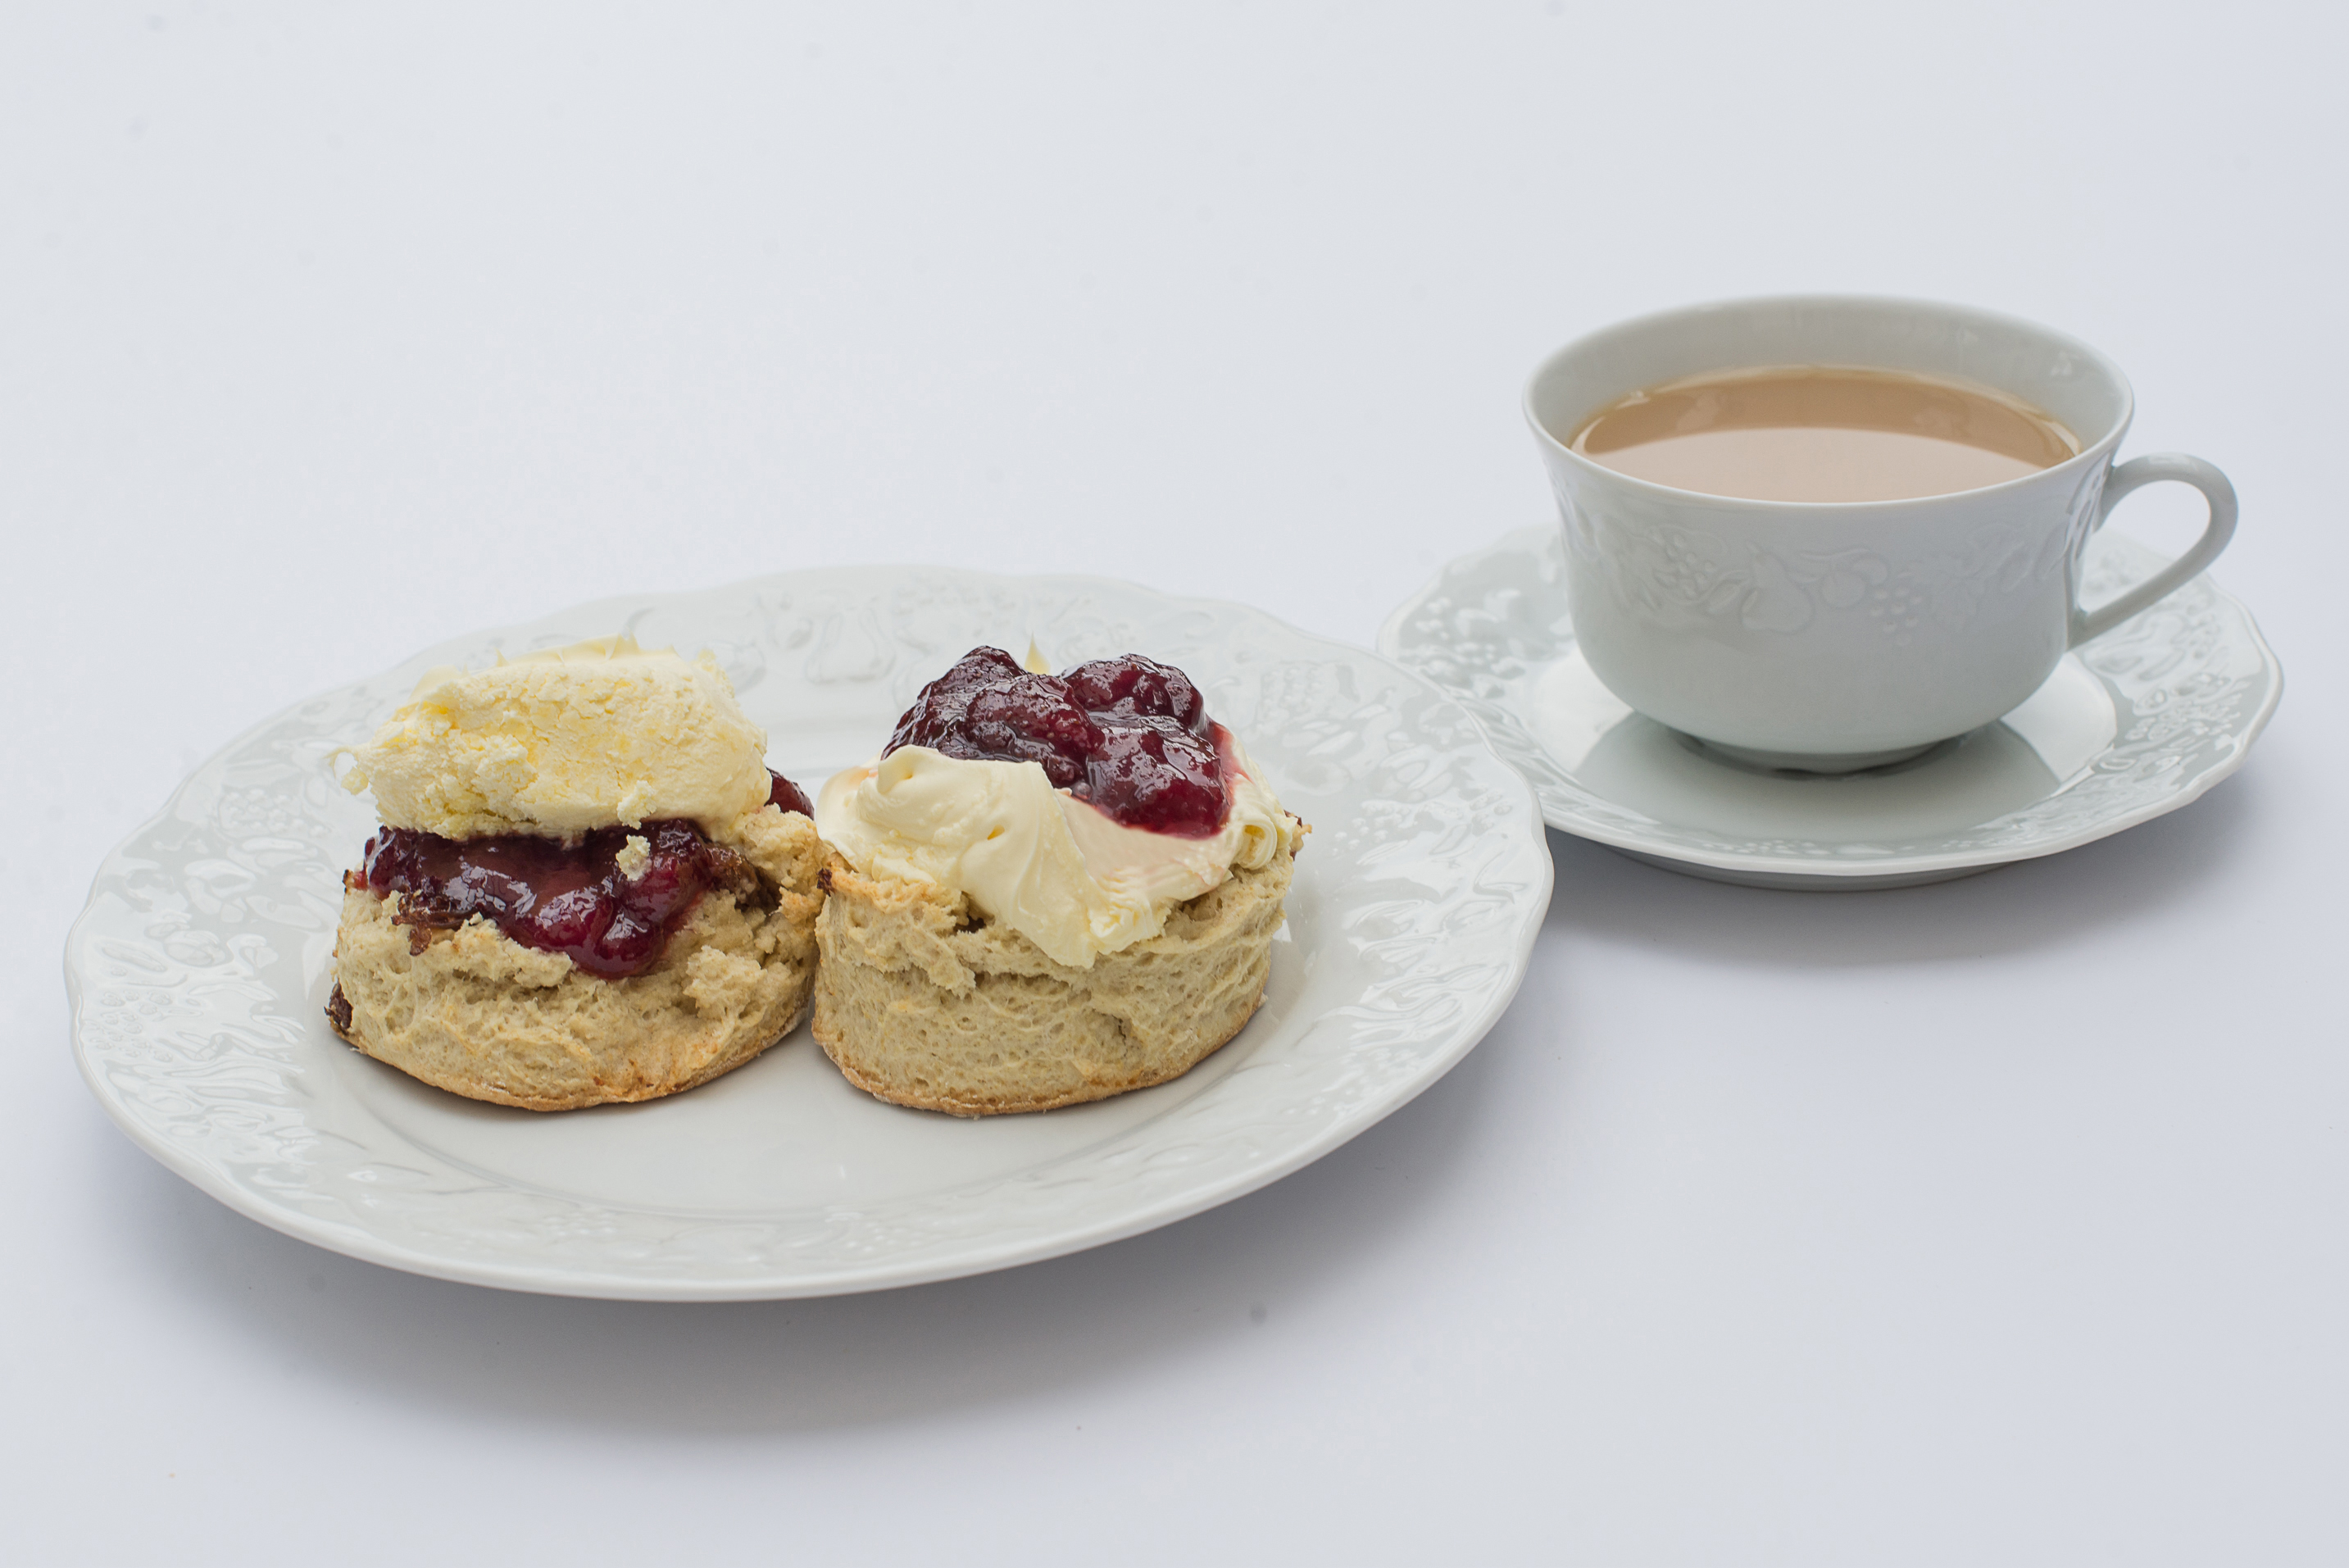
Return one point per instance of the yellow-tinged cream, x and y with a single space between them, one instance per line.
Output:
597 734
1035 858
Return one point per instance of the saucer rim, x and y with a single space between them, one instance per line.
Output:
1792 873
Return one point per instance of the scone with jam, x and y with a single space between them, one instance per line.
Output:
588 888
1046 889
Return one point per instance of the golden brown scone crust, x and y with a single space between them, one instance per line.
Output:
479 1014
919 1005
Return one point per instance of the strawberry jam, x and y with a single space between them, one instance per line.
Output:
786 796
1130 736
568 898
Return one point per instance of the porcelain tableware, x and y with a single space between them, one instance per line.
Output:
1834 635
2136 723
199 969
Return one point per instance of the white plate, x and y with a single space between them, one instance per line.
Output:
2136 723
200 968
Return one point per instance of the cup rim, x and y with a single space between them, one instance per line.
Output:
2097 452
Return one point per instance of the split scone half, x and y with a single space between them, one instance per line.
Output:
588 888
1047 891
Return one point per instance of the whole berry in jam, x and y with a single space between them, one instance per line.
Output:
787 795
986 708
1159 779
1141 687
1130 736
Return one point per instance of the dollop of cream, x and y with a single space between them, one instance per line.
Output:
1051 866
598 734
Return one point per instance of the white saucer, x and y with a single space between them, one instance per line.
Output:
2137 722
199 970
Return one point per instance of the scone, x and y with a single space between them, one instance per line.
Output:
1047 889
588 887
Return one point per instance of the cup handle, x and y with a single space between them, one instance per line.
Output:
2134 474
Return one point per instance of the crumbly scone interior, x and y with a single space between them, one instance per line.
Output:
920 1001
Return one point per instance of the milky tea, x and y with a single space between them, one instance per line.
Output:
1822 432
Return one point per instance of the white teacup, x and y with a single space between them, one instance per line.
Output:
1839 635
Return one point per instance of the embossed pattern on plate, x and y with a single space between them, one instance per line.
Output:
2135 723
199 970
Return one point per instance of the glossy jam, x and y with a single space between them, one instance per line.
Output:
571 898
1129 735
787 796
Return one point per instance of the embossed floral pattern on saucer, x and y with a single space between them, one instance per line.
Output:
2136 723
199 970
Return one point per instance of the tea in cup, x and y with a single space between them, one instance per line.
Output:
1827 533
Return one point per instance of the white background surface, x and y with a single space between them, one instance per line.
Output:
2002 1220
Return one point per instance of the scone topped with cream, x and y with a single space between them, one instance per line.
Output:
1047 889
588 887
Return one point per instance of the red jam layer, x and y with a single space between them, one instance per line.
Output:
1130 736
569 899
